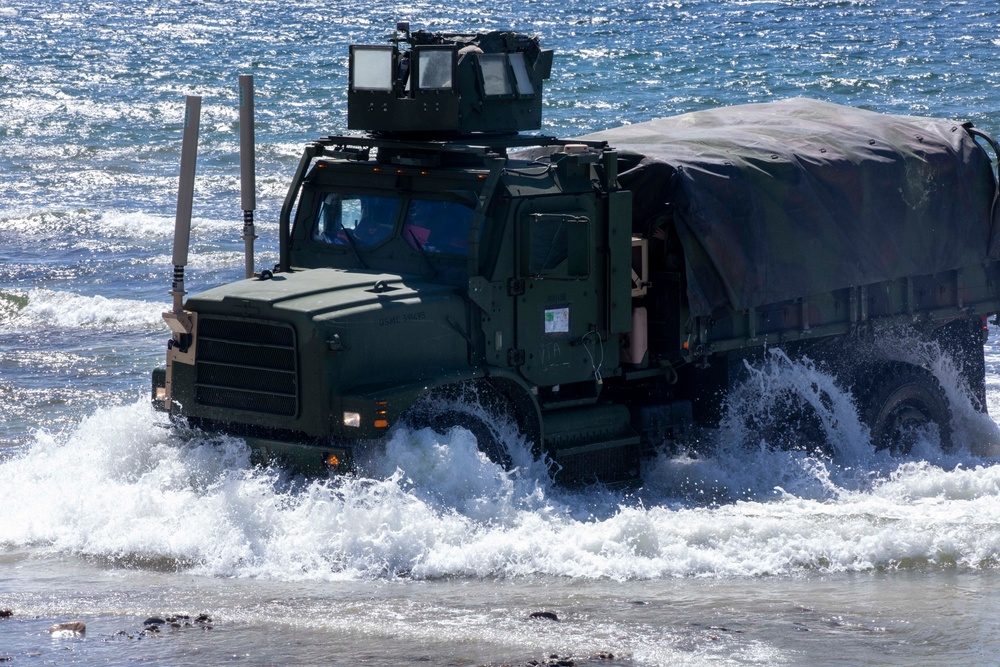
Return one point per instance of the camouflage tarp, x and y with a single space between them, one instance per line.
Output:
787 199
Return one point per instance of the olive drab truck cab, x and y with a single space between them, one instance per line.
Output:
601 292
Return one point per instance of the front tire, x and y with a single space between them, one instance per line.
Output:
469 406
486 440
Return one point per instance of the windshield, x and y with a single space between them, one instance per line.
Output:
362 220
438 226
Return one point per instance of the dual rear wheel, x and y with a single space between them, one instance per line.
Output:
903 404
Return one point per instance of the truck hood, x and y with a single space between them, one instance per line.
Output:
321 294
353 328
291 351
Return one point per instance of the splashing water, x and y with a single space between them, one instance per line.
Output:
772 389
125 488
973 431
756 453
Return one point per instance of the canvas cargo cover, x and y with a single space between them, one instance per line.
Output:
783 200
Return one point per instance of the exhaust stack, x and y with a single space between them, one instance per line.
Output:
179 321
248 183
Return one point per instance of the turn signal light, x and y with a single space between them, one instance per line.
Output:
332 460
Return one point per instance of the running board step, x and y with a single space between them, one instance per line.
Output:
594 443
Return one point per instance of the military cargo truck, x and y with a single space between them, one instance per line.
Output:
602 292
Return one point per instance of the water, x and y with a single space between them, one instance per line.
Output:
742 556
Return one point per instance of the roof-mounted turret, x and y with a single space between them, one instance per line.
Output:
447 84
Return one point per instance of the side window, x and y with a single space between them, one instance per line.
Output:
327 225
438 226
365 220
555 245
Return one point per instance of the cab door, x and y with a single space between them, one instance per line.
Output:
560 321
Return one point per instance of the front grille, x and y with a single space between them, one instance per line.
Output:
247 365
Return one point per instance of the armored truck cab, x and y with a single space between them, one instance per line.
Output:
603 292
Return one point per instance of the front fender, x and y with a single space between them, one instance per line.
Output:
380 406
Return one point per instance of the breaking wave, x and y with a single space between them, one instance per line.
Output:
43 308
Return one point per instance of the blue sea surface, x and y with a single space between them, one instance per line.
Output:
110 516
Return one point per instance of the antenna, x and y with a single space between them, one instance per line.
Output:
248 182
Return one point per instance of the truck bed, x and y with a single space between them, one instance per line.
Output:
779 202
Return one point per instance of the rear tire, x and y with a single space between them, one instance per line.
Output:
904 400
792 424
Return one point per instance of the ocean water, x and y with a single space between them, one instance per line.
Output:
740 555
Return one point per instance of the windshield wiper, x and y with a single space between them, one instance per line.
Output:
423 253
354 245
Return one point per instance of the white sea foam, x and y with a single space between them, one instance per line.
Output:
43 308
135 224
122 486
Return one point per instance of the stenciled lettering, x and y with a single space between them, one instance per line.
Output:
399 319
